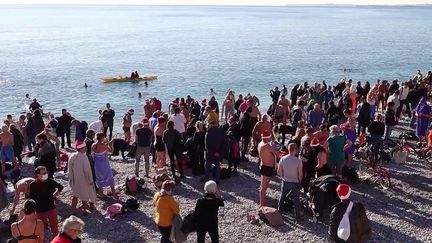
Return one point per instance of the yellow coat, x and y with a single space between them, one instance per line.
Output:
165 209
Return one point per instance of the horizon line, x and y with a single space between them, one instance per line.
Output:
223 5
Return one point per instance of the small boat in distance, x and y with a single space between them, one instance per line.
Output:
128 79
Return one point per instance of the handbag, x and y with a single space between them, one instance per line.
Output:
344 229
188 225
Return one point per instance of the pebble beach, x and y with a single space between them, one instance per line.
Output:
402 213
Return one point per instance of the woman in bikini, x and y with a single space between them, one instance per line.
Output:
159 144
29 229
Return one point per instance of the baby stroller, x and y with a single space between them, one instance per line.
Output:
322 196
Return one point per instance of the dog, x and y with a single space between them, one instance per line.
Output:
119 145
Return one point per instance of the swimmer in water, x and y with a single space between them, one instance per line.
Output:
27 96
145 83
212 91
85 85
139 95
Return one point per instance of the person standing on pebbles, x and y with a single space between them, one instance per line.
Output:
165 208
43 191
108 120
206 213
267 155
81 178
103 171
127 123
290 170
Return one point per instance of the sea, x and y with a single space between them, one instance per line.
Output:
50 51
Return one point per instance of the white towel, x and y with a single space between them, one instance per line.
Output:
344 229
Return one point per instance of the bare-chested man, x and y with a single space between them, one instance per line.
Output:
259 127
255 114
22 186
267 165
286 104
6 152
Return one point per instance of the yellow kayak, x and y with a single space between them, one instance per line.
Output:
128 79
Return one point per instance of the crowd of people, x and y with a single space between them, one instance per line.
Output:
308 132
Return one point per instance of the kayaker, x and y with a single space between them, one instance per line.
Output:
136 74
85 85
132 75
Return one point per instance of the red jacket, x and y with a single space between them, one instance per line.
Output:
62 238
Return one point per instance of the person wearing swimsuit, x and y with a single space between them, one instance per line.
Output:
22 229
159 144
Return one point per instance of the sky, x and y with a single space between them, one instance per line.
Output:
221 2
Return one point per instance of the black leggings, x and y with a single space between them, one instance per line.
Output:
110 127
245 146
214 235
173 156
166 233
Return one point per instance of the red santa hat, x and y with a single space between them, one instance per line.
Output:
265 134
80 145
343 191
48 127
315 142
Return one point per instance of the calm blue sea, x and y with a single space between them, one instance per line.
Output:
51 51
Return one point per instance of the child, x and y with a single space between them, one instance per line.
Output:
390 119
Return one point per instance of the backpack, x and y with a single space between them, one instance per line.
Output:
359 224
131 184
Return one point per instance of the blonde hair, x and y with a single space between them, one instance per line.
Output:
334 129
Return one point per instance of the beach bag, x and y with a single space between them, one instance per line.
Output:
359 225
270 216
130 205
113 210
344 229
188 225
400 157
131 184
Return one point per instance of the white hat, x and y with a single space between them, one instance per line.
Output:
210 187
